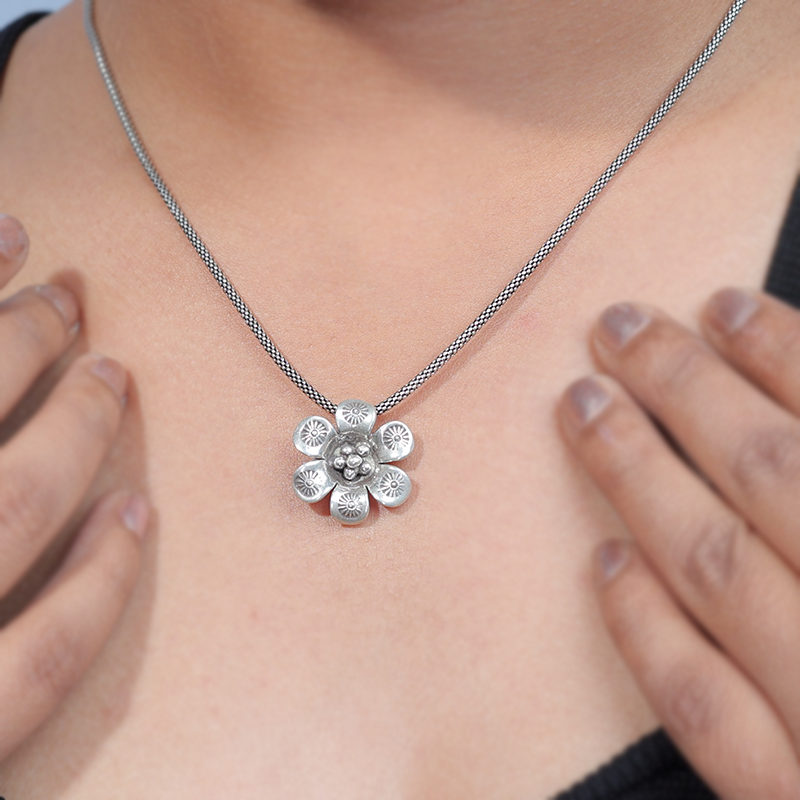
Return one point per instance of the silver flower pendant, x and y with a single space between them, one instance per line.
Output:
352 462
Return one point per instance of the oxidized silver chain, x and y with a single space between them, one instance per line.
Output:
351 460
488 312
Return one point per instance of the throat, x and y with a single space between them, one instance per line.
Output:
575 65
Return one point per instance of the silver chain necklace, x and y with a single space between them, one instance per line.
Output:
350 461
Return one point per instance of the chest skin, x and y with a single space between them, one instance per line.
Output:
449 648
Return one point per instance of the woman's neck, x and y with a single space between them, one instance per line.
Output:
580 64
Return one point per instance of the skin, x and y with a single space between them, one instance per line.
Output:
47 467
362 168
704 601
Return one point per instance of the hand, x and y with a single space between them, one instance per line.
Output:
45 470
704 602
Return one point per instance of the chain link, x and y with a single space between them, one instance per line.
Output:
558 234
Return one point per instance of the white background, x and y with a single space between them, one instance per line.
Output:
11 9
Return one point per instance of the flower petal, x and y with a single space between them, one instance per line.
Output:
349 504
390 486
312 482
312 434
393 441
355 415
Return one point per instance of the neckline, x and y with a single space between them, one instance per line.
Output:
653 761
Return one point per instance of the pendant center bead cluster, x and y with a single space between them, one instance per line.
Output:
352 462
353 457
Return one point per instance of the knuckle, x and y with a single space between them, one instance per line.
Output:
715 555
774 340
621 472
23 510
766 456
690 700
54 660
678 364
785 348
623 450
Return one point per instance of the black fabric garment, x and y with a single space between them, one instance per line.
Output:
652 768
9 36
783 279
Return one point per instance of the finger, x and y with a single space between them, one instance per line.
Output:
747 445
717 718
45 651
36 325
46 469
760 336
731 582
13 247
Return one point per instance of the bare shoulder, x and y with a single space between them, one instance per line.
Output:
53 141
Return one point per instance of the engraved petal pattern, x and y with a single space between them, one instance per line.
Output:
393 441
312 434
351 462
349 505
312 482
355 415
390 486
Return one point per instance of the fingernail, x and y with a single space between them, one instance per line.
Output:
13 239
64 302
610 559
586 400
113 373
731 309
620 323
134 514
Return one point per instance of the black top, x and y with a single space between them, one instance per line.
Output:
652 768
